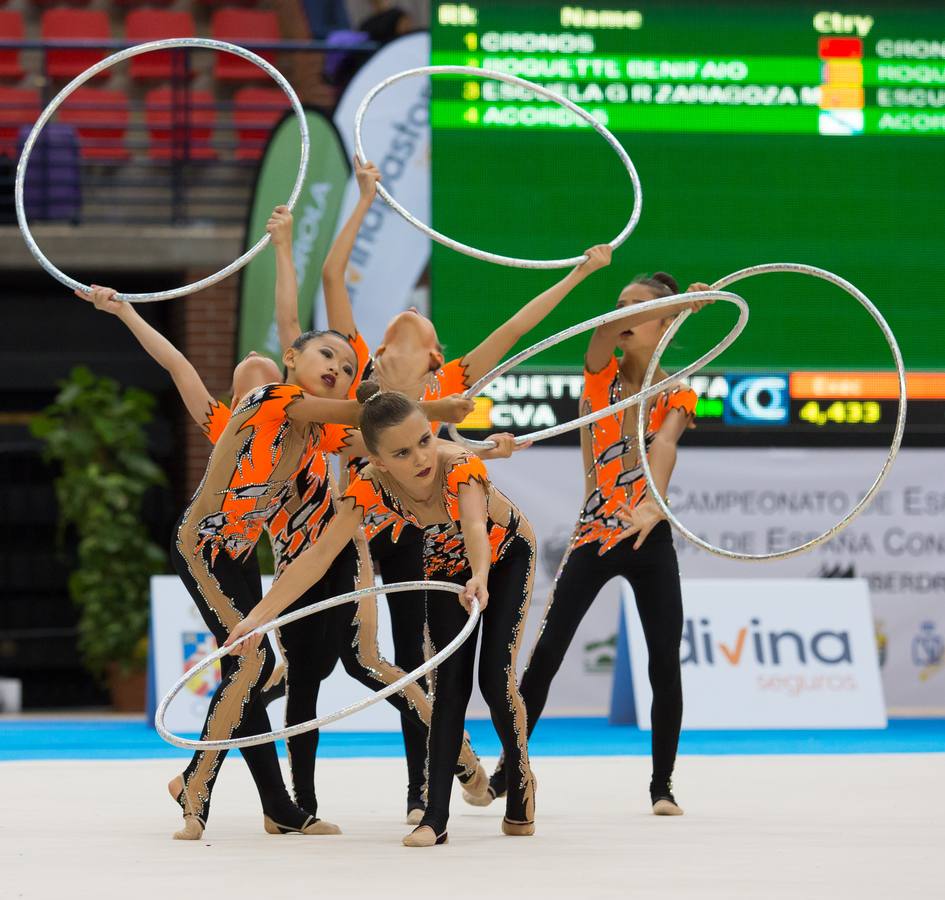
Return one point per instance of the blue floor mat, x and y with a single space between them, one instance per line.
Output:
109 739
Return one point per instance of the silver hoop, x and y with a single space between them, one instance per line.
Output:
302 727
542 92
137 50
647 392
859 296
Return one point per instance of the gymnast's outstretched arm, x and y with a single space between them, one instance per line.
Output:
188 382
490 352
279 227
337 301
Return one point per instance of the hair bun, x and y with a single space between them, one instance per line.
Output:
366 390
668 280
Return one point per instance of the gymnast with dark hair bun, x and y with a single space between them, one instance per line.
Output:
620 529
410 359
474 536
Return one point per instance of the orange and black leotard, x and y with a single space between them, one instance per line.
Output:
449 379
512 566
256 455
614 469
256 458
304 507
444 551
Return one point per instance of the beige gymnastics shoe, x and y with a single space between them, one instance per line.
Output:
425 836
193 825
311 826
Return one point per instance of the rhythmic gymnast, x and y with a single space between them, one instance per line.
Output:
304 511
258 452
621 530
473 535
410 359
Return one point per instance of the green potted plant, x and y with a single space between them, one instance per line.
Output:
96 432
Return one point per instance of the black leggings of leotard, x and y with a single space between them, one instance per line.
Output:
225 590
501 625
403 561
653 573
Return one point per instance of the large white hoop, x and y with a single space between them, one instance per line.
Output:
541 91
312 724
137 50
648 390
857 295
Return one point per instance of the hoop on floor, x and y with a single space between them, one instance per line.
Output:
644 394
137 50
312 724
542 92
864 301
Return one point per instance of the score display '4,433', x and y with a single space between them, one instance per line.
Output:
840 412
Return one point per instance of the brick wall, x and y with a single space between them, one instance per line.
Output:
204 326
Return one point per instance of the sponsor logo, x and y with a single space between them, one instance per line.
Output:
928 651
757 400
195 645
791 662
758 646
599 656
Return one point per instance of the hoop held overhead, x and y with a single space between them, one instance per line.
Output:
864 301
542 92
612 316
137 50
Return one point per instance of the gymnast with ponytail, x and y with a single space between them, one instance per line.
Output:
410 359
474 536
621 530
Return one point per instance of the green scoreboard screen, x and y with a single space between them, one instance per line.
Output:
762 132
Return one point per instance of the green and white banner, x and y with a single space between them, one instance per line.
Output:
315 214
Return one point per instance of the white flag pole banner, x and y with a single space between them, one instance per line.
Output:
180 639
767 653
389 255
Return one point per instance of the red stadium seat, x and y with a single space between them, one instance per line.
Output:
152 25
11 27
71 24
18 107
101 119
255 112
238 26
185 139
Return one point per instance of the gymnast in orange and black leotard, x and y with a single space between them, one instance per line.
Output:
621 531
472 535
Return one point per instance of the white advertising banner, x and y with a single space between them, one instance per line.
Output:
754 499
769 653
766 500
180 639
389 254
760 500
